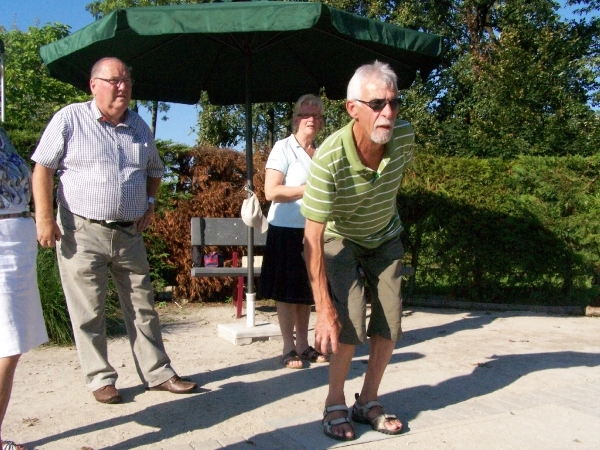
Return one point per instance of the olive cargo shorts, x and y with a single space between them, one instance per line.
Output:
381 267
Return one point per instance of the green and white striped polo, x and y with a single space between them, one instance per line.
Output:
358 203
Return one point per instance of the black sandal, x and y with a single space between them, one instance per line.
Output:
291 357
311 355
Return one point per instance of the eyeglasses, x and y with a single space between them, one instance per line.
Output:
378 104
307 116
117 81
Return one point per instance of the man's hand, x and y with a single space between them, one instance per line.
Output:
327 331
47 232
145 221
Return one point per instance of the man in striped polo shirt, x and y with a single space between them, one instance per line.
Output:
353 226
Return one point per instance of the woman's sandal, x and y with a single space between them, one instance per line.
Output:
291 357
311 355
327 425
360 414
10 445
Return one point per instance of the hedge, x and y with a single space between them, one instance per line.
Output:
485 230
518 231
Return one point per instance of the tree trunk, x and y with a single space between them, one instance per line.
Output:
270 127
154 111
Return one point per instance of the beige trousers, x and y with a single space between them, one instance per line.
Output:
86 253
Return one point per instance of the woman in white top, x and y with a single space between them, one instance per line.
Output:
21 321
283 274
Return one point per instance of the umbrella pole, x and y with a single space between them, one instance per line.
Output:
250 294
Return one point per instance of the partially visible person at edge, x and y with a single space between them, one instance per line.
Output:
283 273
109 172
353 223
21 321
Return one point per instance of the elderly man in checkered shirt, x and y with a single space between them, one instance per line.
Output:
108 171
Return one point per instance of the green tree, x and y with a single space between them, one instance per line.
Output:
517 79
32 96
99 8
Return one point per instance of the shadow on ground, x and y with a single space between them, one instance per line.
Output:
210 408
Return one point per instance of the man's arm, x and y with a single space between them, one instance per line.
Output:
152 186
328 327
42 182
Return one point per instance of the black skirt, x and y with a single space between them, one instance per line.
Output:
283 274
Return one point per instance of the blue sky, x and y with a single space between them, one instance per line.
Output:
26 13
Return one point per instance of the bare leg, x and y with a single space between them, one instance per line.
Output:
7 374
380 352
339 365
286 313
302 319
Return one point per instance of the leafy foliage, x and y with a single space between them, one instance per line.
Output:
504 231
99 8
216 189
54 307
32 96
518 81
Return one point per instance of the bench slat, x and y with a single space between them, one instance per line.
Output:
221 232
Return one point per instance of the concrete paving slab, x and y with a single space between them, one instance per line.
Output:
308 432
459 379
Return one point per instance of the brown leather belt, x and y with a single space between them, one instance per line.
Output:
16 215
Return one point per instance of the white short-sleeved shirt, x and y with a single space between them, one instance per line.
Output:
289 158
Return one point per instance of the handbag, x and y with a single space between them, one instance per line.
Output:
213 259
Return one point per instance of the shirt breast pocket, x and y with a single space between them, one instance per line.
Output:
137 154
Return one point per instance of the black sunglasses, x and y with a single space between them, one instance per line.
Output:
378 104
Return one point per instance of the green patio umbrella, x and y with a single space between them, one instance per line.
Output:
241 52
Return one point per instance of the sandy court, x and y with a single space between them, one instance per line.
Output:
456 379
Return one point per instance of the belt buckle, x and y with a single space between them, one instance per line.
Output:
116 226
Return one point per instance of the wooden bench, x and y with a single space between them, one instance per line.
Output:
224 232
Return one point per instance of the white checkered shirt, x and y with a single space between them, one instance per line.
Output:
102 169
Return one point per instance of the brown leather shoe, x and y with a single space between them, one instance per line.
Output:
107 394
175 385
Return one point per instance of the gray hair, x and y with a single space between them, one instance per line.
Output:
379 71
309 100
97 67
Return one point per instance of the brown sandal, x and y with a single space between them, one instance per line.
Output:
329 424
360 414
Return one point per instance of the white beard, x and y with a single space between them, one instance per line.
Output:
381 136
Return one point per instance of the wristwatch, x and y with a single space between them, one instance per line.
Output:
151 200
